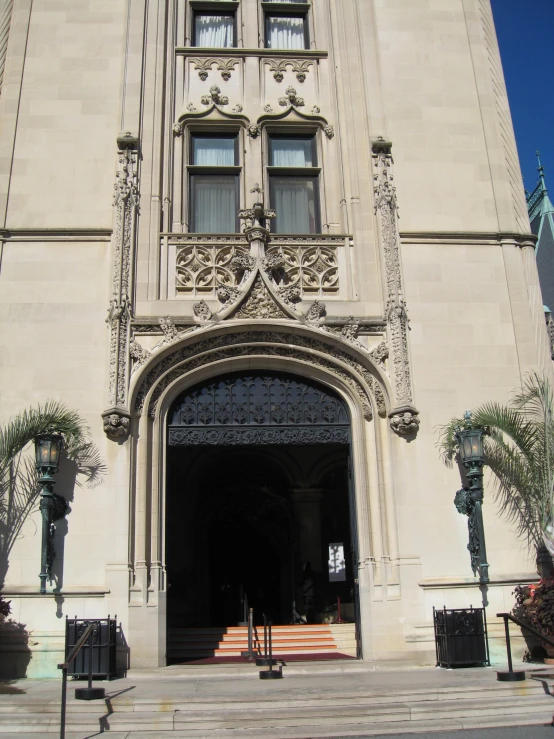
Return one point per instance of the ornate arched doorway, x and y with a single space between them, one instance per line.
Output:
258 502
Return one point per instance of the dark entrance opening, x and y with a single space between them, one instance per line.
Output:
258 502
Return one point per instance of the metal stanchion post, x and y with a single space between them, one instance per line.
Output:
271 674
89 693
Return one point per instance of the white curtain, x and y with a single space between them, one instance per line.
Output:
286 33
293 200
214 31
214 203
213 152
291 152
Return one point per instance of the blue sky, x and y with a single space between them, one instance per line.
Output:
525 30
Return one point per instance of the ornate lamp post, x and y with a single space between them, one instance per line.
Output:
469 500
52 507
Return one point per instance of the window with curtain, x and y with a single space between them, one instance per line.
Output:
214 30
293 184
286 31
214 184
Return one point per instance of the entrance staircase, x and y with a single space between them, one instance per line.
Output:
307 641
296 708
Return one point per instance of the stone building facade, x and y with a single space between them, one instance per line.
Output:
326 192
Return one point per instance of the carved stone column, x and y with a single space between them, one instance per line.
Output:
403 415
117 417
307 513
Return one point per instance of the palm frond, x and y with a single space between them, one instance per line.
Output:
520 454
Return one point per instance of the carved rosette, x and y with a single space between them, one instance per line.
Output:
396 315
126 197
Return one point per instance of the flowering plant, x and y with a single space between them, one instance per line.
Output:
535 606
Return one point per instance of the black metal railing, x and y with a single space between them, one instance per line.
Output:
85 637
517 674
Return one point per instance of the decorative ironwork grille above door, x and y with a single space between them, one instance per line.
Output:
258 408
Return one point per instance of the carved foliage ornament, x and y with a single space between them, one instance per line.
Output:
279 67
386 207
225 66
125 202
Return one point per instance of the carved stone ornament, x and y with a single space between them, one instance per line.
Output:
215 96
396 315
117 424
404 423
254 131
279 67
290 294
178 129
202 311
316 312
138 353
227 293
291 98
261 343
329 131
204 66
125 202
350 331
380 353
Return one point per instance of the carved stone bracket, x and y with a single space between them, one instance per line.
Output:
126 198
404 421
395 312
117 423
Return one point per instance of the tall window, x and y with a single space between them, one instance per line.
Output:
214 183
285 29
294 184
214 29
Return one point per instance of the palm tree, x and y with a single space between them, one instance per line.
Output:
519 449
18 477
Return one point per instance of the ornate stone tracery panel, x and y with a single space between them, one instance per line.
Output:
258 408
200 269
312 268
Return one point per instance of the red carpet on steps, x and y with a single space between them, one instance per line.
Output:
314 657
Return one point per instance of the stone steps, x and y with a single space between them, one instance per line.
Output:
189 644
290 716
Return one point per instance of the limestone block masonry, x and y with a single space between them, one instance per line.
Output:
410 295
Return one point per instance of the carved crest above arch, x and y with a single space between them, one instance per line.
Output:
213 112
290 112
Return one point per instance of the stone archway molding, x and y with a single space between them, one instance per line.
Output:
192 350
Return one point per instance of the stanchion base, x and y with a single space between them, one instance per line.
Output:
271 674
510 677
90 694
262 661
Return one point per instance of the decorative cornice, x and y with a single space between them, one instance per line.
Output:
236 52
56 234
466 238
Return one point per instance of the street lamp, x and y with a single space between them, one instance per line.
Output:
469 500
52 507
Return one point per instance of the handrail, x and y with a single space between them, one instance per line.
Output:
77 648
513 675
523 625
64 666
